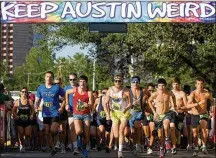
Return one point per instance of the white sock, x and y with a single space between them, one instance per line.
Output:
75 144
120 147
137 146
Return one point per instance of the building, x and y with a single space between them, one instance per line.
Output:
16 42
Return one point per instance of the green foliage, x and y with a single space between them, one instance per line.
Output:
161 49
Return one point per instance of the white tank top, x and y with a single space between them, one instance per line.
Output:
116 100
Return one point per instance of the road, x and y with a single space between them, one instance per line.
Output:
97 154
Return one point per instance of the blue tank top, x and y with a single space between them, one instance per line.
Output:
101 113
50 97
137 102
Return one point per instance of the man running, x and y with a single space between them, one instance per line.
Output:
50 93
197 102
180 101
138 100
60 138
161 114
101 121
148 123
118 102
73 84
83 103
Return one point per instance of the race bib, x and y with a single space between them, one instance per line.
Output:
180 125
116 106
102 114
150 117
137 108
23 117
48 104
204 116
80 106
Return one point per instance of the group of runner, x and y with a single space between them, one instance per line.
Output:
115 116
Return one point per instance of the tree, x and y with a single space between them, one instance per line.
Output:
162 49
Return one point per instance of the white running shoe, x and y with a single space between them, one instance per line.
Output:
57 146
149 151
63 151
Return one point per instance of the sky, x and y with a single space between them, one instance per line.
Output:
70 51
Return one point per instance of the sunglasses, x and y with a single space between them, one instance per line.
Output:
24 91
117 81
135 82
151 90
103 92
72 79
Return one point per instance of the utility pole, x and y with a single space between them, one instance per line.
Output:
28 80
93 84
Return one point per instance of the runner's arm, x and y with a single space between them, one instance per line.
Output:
70 91
190 103
106 105
32 107
95 104
37 102
129 95
145 103
184 101
172 101
150 101
91 100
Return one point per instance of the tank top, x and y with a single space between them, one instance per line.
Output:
24 111
137 101
78 102
116 100
100 110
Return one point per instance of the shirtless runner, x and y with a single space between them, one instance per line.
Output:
181 101
162 115
197 102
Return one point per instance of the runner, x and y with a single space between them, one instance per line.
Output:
93 125
73 136
188 120
60 138
198 104
101 121
180 101
42 138
6 101
83 103
162 115
138 100
148 123
23 112
50 93
118 100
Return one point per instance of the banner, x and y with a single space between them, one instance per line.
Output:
107 12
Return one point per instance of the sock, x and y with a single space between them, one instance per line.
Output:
166 138
75 144
120 147
137 146
197 148
161 147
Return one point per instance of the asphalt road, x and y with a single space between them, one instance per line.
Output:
113 154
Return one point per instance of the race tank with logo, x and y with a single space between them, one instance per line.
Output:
137 102
100 110
117 102
79 101
24 112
